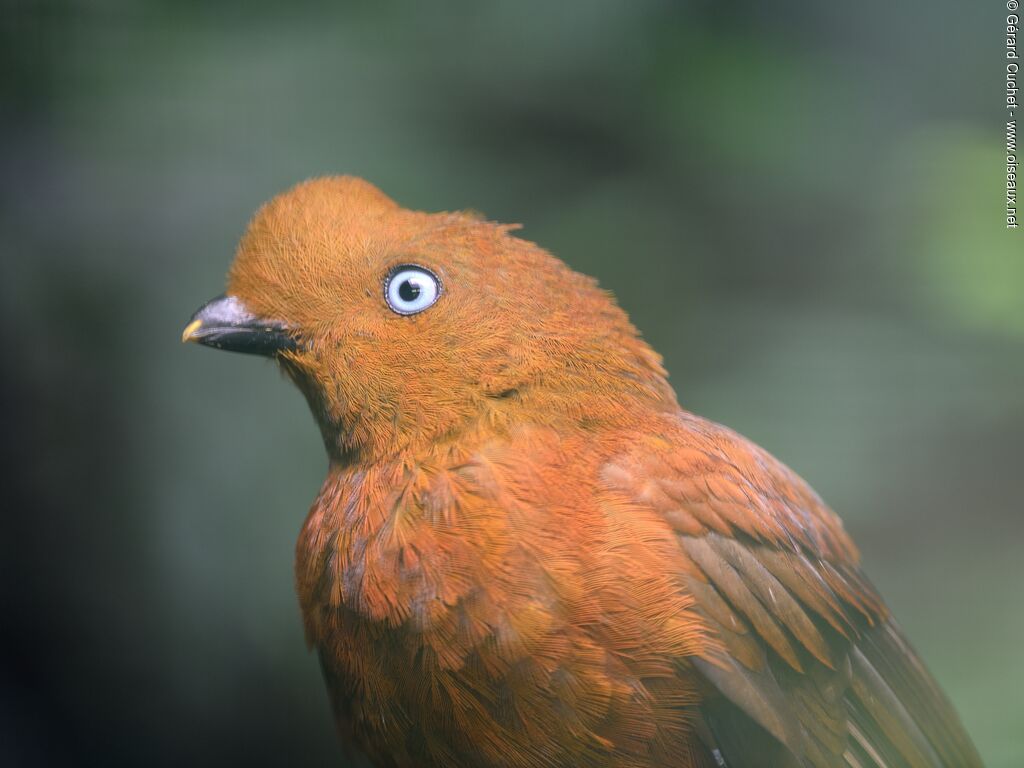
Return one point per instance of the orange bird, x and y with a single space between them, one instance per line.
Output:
525 553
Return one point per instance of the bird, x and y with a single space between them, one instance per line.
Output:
525 551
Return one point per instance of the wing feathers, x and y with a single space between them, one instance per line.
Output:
795 571
888 666
776 599
732 585
889 713
834 689
808 658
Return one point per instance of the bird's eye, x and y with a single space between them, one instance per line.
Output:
409 289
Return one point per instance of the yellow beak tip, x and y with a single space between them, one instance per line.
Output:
190 330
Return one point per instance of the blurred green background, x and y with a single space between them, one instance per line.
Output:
801 206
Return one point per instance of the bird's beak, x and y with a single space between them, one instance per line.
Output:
225 323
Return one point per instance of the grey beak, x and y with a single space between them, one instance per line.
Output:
225 323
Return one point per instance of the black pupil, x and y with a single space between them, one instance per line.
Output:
408 290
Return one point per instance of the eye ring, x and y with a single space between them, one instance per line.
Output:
409 289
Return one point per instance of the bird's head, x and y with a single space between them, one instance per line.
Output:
404 328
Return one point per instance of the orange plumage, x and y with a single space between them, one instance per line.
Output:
525 553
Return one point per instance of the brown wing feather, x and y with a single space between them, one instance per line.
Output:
812 667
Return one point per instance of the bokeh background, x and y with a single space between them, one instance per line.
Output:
800 204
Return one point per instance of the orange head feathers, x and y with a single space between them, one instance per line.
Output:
510 322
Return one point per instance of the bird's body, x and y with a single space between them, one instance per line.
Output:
525 553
